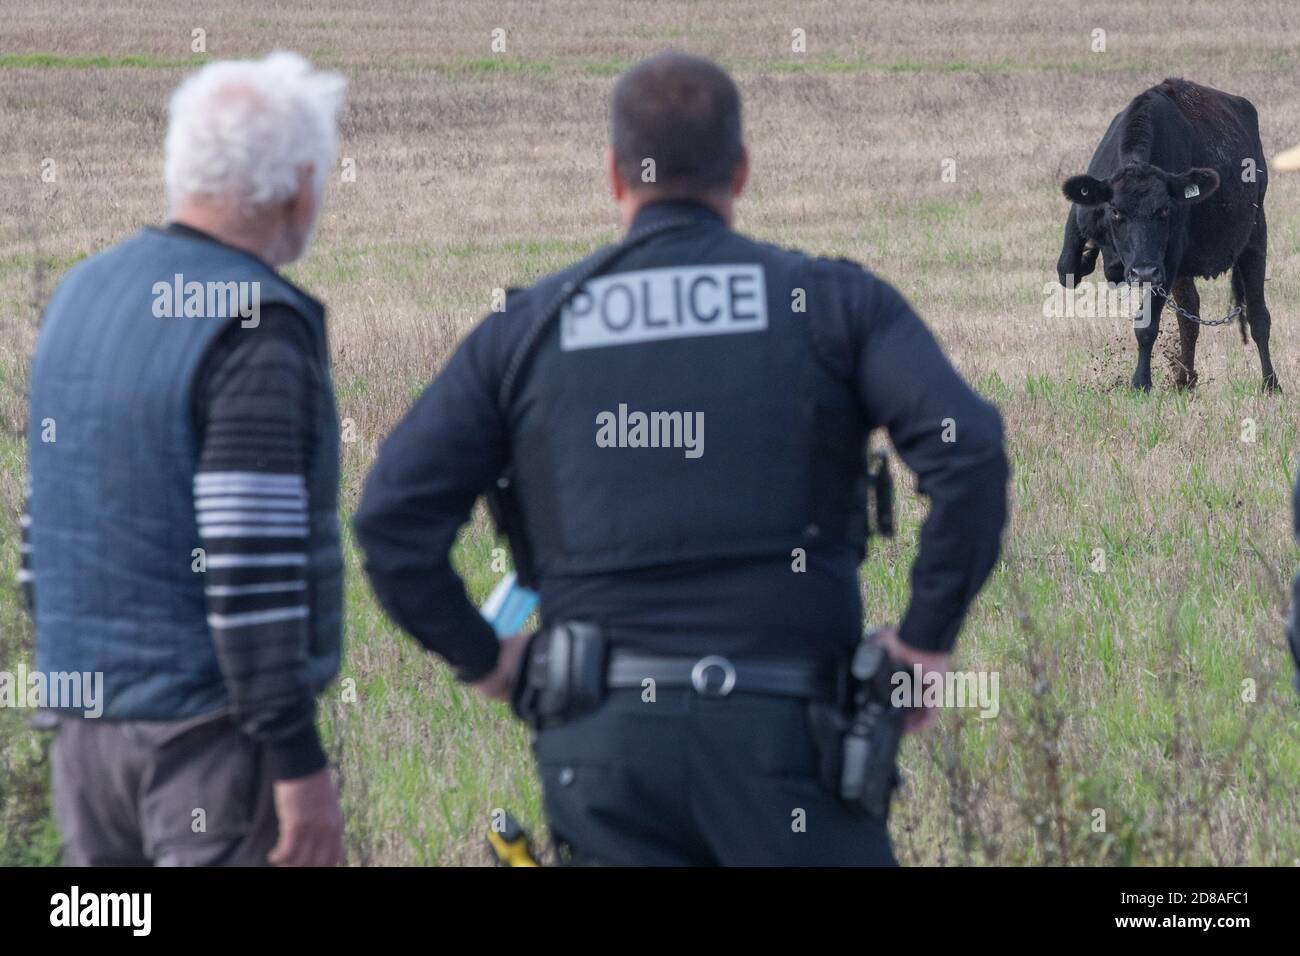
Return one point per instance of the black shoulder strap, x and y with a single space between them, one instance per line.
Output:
598 264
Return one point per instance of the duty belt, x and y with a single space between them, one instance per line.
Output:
568 669
855 725
718 676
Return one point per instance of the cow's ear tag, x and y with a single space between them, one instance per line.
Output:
1191 191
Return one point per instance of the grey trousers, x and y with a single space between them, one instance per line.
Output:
161 793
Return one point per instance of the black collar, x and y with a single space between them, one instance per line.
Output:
664 209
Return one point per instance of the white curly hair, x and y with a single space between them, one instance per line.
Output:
240 130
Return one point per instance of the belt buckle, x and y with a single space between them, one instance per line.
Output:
700 679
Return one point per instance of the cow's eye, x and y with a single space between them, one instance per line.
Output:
1116 215
1162 213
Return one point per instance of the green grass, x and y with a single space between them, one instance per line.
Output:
54 61
612 66
22 263
1121 688
27 834
401 732
509 64
506 64
501 64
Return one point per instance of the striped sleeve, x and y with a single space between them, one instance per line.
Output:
25 581
254 532
255 411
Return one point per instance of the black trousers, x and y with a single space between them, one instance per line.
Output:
687 780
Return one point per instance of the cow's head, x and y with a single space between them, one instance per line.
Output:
1145 213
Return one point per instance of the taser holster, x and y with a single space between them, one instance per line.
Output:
562 674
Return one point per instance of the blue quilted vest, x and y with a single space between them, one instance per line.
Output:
114 534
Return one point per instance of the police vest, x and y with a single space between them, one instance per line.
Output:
114 532
678 411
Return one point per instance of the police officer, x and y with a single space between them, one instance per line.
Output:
674 431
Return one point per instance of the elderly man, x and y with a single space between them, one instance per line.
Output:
181 542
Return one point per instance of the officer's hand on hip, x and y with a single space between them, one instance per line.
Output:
498 684
310 821
917 718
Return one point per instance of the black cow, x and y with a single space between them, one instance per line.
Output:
1176 191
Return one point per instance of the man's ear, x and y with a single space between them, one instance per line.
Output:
304 205
305 194
740 177
1086 191
1195 185
616 185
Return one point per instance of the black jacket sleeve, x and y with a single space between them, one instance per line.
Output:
949 437
449 449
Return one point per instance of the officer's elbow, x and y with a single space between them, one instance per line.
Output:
982 442
997 441
982 466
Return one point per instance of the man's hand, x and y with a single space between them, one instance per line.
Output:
311 823
498 684
918 718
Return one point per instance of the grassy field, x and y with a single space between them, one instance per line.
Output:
1154 691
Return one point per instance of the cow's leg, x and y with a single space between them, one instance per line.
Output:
1146 331
1249 270
1078 256
1189 300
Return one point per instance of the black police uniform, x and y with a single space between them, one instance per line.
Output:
686 449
